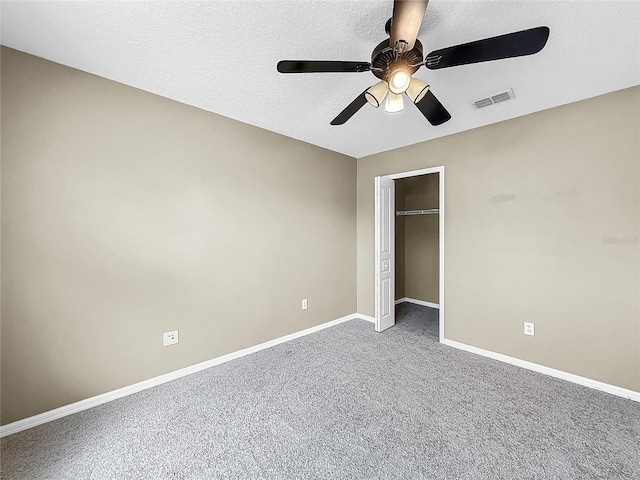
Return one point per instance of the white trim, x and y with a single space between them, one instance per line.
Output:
570 377
417 302
87 403
441 259
415 173
366 317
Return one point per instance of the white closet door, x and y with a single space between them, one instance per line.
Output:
385 253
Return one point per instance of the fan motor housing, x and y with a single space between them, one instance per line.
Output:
384 61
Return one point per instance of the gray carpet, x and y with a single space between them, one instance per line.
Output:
345 403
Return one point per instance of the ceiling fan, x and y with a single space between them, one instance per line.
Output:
396 59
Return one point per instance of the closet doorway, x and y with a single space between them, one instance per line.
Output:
409 243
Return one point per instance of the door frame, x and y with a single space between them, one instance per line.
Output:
441 214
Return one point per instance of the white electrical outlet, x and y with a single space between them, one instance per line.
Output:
170 338
529 328
305 304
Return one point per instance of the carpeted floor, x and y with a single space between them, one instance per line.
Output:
345 403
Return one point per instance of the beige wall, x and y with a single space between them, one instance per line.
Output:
531 206
419 253
125 215
400 240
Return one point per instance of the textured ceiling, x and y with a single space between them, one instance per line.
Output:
221 56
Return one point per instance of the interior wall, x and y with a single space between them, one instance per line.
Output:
126 215
542 225
421 248
400 240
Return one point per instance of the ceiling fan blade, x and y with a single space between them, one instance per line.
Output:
406 21
315 66
517 44
351 110
433 110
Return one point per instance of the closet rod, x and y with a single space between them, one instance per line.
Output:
432 211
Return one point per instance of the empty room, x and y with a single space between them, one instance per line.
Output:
320 239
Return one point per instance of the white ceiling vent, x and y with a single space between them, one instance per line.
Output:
492 99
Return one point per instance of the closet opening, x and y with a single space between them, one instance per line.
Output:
409 250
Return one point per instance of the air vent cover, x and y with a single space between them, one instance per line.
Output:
493 99
484 102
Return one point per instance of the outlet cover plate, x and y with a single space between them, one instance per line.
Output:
529 328
170 338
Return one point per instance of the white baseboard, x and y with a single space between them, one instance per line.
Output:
366 317
570 377
417 302
76 407
85 404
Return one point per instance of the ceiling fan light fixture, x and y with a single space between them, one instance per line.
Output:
417 90
394 103
399 81
376 93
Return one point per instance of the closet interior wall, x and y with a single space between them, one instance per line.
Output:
417 240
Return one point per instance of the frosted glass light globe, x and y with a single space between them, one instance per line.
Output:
399 81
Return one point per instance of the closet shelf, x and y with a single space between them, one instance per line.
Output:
432 211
